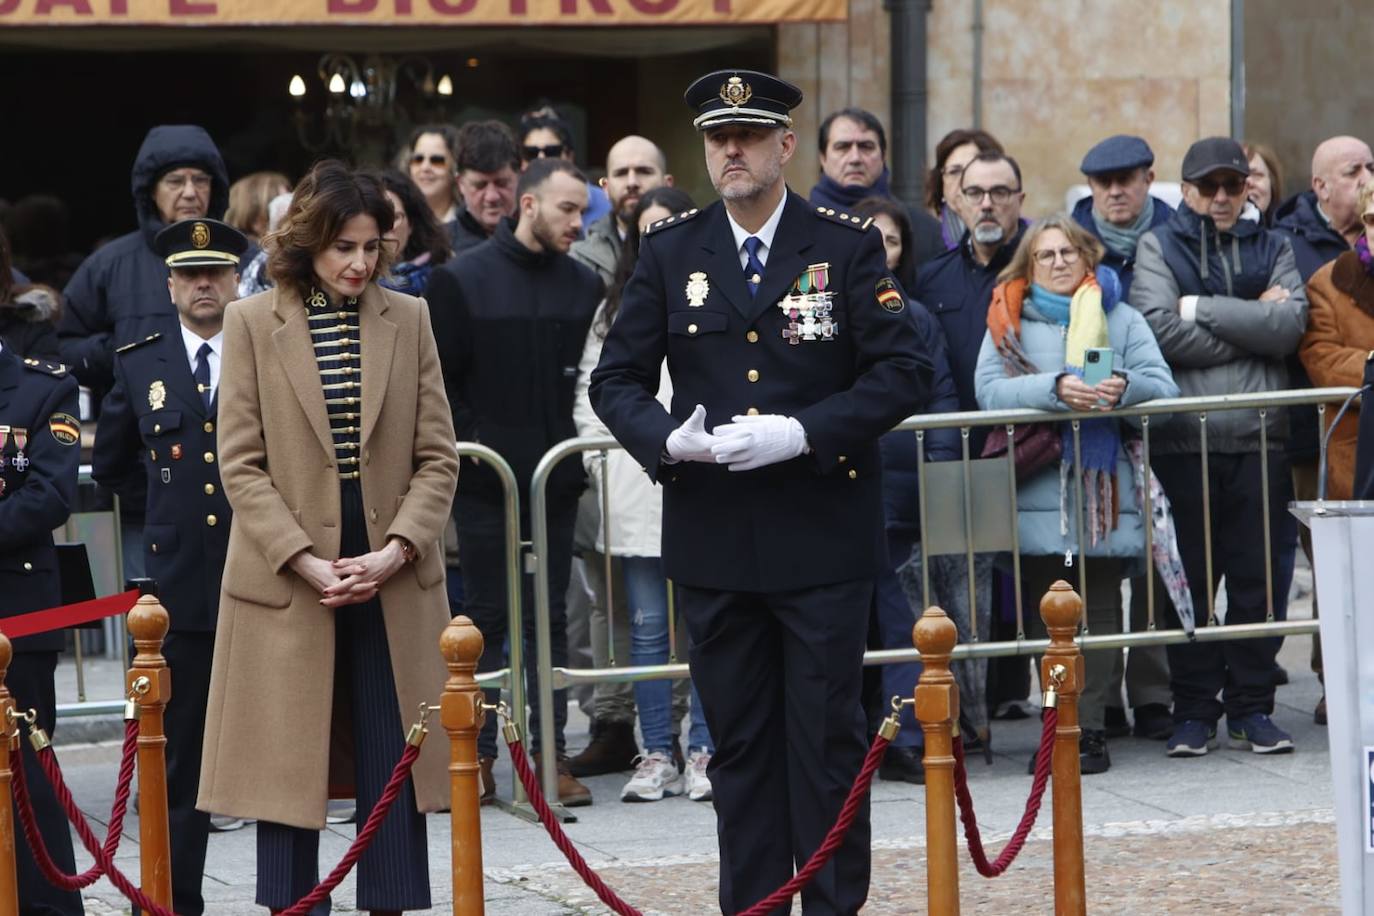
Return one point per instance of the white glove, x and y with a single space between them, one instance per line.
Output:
752 442
691 441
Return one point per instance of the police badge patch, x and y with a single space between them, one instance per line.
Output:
157 394
888 297
698 288
65 428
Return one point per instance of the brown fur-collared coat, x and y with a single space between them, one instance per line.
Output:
267 751
1339 338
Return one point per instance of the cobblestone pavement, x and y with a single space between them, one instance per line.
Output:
1253 865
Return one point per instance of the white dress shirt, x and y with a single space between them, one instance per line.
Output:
765 234
192 342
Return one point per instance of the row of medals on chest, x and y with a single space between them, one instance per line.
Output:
18 461
806 308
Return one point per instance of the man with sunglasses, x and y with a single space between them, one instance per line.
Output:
1228 306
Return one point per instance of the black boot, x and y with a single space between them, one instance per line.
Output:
612 750
903 764
1092 752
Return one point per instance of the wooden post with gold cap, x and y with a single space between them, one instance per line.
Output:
937 709
150 685
460 711
9 882
1062 667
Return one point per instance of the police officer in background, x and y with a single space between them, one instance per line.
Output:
790 355
40 448
162 407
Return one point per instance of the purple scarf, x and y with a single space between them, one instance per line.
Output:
1362 252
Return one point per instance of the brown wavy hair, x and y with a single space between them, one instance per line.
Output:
935 178
326 198
249 197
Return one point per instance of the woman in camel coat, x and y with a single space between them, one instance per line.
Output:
1339 338
333 597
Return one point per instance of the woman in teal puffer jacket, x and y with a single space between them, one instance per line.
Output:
1051 306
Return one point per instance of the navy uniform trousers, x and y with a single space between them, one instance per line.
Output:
754 654
394 872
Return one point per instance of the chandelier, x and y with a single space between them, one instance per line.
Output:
362 115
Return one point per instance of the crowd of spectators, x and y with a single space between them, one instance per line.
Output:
522 260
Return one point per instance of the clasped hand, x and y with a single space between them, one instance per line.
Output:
755 441
349 580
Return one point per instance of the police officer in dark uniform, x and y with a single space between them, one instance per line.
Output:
790 355
155 446
40 439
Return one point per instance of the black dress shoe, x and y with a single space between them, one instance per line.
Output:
1092 752
1280 676
903 764
1153 721
1114 722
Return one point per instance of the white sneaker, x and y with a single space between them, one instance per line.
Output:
655 777
698 783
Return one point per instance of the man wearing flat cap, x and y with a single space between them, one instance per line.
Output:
1225 300
155 447
1121 208
791 352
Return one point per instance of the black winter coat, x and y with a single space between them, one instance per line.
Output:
510 325
119 293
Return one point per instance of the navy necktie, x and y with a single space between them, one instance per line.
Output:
753 267
202 374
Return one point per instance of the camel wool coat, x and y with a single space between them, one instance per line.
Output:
267 751
1339 338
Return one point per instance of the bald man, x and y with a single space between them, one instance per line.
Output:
1325 221
1321 224
633 165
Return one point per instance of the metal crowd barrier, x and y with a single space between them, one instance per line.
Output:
961 524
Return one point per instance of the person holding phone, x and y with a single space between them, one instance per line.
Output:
1058 339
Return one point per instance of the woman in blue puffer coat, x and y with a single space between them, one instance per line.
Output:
1052 306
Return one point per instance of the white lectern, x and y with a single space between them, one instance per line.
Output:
1343 552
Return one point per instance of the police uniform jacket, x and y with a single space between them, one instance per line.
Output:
155 411
38 405
813 520
267 751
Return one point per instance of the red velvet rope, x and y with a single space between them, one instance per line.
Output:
1043 760
51 871
779 897
69 615
103 861
363 839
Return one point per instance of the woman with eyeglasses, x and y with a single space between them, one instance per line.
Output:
1056 318
433 165
955 150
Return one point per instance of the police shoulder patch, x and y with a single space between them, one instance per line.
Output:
45 367
844 219
65 428
676 219
888 296
138 343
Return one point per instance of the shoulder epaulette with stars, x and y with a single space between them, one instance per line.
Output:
844 219
138 343
675 220
45 367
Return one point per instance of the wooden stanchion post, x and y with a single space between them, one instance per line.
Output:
1062 664
150 685
460 711
9 729
937 709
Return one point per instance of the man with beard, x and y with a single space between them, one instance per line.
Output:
163 407
488 166
510 319
791 352
634 165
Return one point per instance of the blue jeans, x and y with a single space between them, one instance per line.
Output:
646 592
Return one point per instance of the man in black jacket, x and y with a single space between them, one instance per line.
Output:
488 166
510 319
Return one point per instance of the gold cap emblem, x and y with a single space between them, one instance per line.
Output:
736 92
200 235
